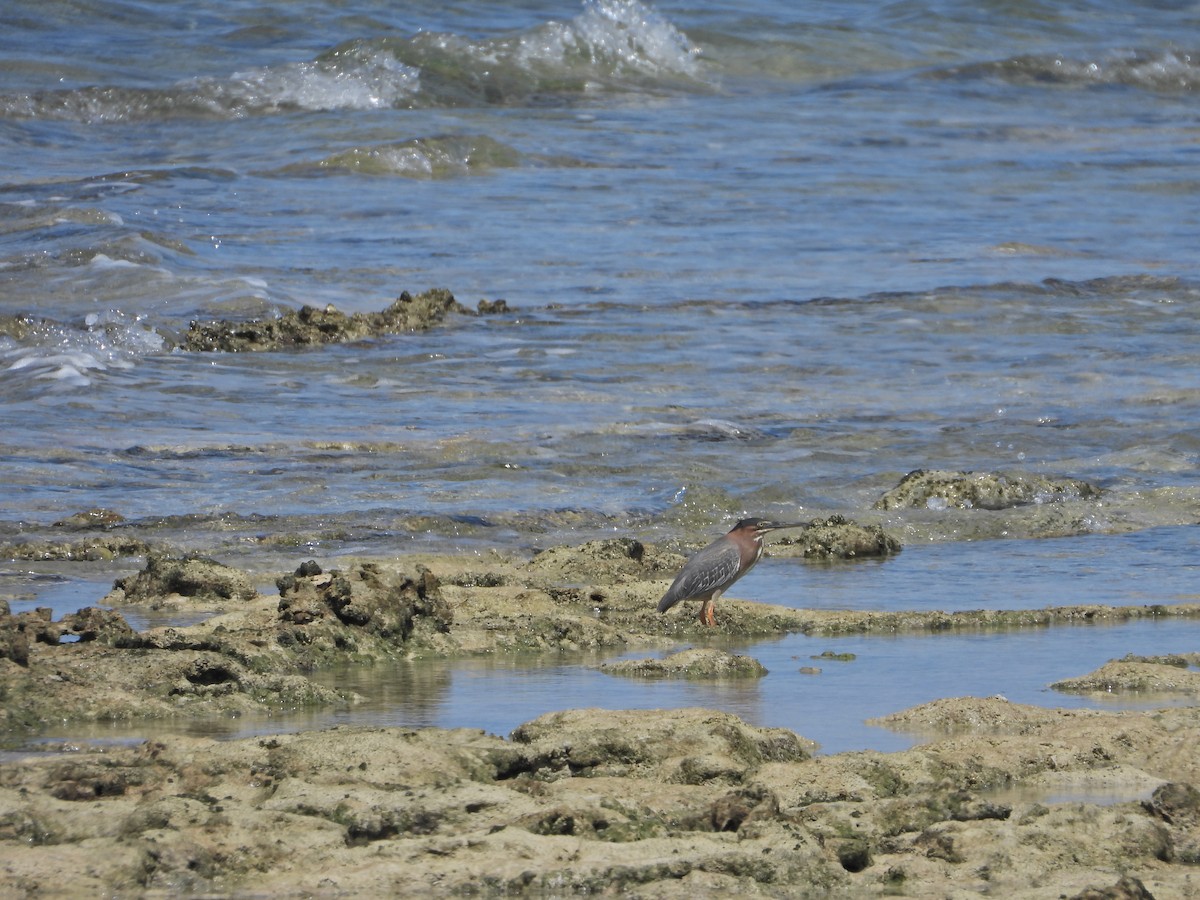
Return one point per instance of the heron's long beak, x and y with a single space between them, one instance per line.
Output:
775 526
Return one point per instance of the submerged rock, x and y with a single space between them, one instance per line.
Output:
309 326
935 489
91 518
439 156
90 549
693 663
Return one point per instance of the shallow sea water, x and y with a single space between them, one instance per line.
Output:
888 674
762 259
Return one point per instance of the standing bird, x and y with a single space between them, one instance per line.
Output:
711 572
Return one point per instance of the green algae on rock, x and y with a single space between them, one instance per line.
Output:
100 548
1138 674
385 605
191 577
441 156
696 662
309 326
981 490
657 743
96 517
606 562
834 656
837 538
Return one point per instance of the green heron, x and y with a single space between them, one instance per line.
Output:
711 572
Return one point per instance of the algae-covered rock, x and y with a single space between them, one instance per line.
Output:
96 548
605 562
834 656
383 604
1178 805
194 578
1136 674
695 663
309 326
683 745
19 632
91 518
1127 887
14 639
837 538
440 156
935 489
665 804
93 623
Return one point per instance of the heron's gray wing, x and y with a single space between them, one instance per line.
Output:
716 566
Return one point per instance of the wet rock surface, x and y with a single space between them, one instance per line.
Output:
89 549
196 578
697 662
606 562
91 518
1139 674
19 632
837 538
389 606
309 326
981 490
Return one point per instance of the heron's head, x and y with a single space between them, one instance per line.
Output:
756 528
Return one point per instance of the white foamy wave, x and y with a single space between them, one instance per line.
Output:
611 43
352 79
616 35
64 357
102 261
345 79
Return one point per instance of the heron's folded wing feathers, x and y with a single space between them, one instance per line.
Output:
713 567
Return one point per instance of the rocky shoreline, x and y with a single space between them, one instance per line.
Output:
1000 798
645 804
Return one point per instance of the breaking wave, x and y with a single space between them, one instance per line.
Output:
362 83
616 45
38 355
1166 70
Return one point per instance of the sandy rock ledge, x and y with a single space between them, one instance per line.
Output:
633 803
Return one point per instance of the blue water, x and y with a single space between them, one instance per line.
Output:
762 258
831 706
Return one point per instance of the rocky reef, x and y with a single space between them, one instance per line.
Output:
309 326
